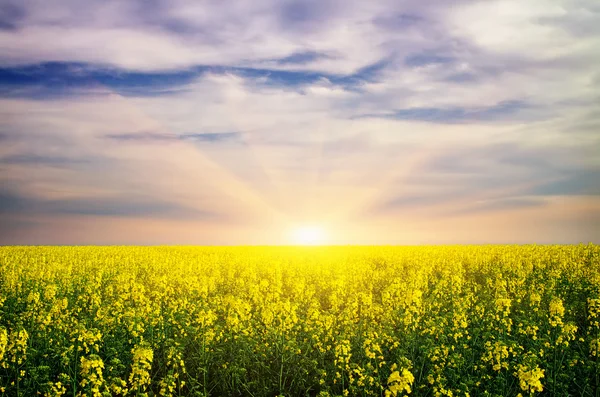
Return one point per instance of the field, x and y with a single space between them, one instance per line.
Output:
300 321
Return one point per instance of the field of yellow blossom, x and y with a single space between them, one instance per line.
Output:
300 321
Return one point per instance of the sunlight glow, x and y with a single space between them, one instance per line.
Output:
308 235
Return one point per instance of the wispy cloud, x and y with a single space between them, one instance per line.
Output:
212 137
10 16
118 206
585 182
502 111
418 60
41 160
300 58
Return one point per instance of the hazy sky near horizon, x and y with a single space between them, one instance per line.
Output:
386 122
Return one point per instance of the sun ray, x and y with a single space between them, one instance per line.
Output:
228 181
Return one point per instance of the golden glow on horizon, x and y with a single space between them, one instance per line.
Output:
309 235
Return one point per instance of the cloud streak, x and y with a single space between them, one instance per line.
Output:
119 207
211 137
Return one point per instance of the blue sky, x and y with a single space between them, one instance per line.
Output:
385 122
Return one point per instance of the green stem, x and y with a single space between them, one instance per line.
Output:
75 369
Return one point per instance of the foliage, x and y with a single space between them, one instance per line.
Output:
300 321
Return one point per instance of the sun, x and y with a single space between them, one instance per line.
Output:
309 235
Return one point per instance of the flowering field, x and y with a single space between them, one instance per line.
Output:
359 321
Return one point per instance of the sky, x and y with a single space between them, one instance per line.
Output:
237 122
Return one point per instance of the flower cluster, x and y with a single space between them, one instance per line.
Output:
325 321
399 381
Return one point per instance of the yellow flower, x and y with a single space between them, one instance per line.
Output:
140 371
91 373
56 390
496 354
595 348
594 312
529 378
557 311
3 342
399 382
